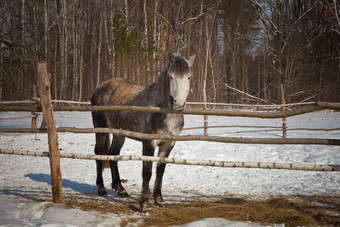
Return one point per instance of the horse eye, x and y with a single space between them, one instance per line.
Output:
189 77
171 77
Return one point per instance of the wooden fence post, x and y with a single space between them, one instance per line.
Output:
205 120
284 119
35 98
46 104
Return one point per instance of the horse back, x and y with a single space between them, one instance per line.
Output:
117 91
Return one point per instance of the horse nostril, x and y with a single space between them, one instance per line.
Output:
172 99
175 100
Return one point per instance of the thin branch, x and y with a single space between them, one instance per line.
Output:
336 14
264 12
193 18
242 92
160 15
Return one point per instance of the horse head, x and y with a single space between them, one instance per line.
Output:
179 73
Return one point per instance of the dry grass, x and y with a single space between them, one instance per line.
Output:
292 211
103 207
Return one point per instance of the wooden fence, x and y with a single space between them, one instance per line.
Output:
45 105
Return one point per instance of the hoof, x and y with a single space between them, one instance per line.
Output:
160 203
101 192
145 207
120 190
123 194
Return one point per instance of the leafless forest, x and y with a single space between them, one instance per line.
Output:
245 49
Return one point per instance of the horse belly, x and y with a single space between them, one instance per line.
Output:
130 120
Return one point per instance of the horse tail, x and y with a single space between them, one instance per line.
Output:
106 164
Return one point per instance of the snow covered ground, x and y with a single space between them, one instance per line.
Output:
26 180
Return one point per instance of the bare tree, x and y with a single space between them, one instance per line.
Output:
245 49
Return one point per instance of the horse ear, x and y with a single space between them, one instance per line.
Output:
191 60
171 58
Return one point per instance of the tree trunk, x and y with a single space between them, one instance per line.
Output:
264 78
259 79
148 78
23 46
46 31
324 47
167 35
126 7
81 70
56 65
63 47
99 48
205 76
75 54
154 52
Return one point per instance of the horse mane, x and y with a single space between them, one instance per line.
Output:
161 82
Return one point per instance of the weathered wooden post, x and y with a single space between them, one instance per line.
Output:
205 120
284 119
36 99
47 109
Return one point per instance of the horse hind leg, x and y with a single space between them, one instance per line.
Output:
117 144
164 151
101 140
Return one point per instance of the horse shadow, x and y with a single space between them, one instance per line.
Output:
86 189
74 185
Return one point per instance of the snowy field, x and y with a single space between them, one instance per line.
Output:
26 180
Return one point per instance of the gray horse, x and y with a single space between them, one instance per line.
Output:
170 92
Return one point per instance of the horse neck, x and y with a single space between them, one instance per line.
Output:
157 94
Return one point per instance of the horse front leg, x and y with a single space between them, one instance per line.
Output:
148 150
164 151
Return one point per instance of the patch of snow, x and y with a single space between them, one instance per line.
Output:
219 222
27 213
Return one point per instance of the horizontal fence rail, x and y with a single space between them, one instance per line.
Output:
251 105
18 102
145 136
257 114
36 99
226 164
288 129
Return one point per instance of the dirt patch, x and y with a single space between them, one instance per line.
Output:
296 210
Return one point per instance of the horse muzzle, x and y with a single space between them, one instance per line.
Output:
176 104
179 106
